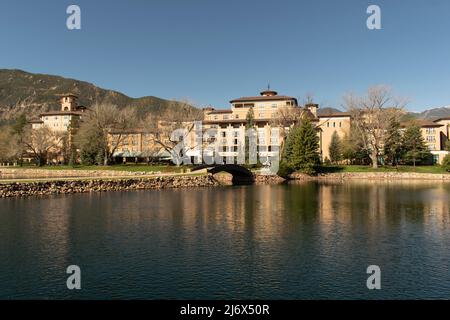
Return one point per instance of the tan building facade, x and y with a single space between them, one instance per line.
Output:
60 120
230 128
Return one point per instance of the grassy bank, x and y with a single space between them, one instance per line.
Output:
417 169
121 167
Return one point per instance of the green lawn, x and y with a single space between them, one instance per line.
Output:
418 169
122 167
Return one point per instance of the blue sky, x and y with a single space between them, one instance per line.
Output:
212 51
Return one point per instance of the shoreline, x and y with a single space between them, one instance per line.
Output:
20 188
372 176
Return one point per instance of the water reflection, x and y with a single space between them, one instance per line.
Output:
296 241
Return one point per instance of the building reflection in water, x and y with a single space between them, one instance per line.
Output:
287 239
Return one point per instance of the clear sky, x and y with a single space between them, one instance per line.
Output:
212 51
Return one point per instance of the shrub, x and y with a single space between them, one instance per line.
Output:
446 163
284 170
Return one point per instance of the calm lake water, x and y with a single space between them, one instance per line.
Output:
297 241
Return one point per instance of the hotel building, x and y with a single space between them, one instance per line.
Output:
230 128
59 120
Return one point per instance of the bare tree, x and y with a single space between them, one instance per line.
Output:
177 116
42 142
100 122
10 146
371 116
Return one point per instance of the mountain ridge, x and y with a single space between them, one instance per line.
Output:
23 92
28 93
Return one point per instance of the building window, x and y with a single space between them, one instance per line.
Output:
236 116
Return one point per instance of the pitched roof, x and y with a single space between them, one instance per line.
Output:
62 113
334 115
262 98
220 111
443 118
36 121
422 123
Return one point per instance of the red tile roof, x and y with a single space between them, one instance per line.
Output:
421 123
444 118
262 98
62 113
220 111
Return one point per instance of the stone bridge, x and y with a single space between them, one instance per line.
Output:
241 175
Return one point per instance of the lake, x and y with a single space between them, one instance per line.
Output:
311 240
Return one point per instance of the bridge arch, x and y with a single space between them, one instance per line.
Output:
241 175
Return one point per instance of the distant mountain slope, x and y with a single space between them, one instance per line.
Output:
23 92
435 113
430 114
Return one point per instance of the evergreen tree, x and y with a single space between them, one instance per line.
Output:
446 163
353 147
415 149
72 131
447 145
335 148
289 145
249 124
393 143
305 148
91 143
18 130
250 119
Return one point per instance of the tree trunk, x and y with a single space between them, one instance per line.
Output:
374 159
105 160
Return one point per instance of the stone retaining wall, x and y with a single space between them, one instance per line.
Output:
24 189
372 176
268 179
10 173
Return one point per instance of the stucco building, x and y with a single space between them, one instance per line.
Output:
229 125
59 120
273 116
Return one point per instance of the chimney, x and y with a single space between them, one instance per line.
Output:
312 107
